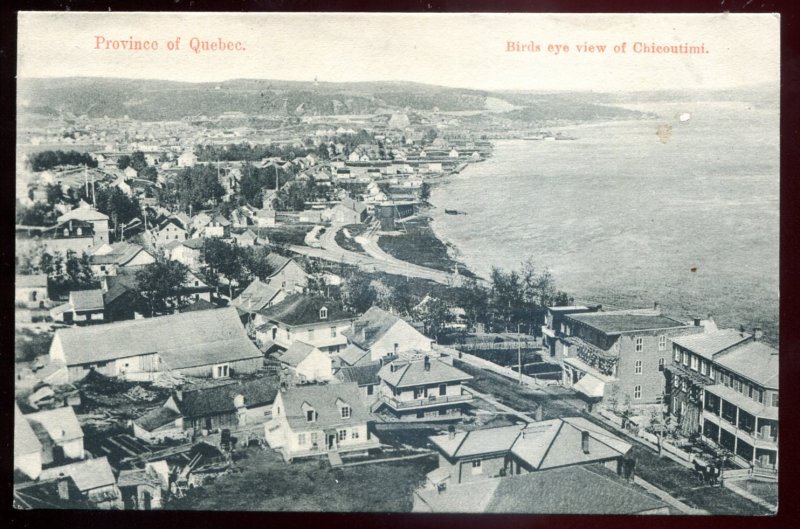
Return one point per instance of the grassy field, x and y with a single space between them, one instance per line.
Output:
418 244
262 481
767 491
349 243
287 234
662 472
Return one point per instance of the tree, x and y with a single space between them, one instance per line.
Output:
123 162
425 191
138 161
160 284
197 186
39 214
434 314
358 294
149 173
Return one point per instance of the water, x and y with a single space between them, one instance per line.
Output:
622 218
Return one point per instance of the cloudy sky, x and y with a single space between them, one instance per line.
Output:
467 50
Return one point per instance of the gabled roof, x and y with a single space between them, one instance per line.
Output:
87 474
754 360
171 220
277 262
296 353
301 309
30 281
322 398
370 327
87 214
120 254
86 299
625 321
708 344
353 355
194 244
156 418
222 221
190 339
60 424
409 374
478 442
215 400
25 440
255 297
362 375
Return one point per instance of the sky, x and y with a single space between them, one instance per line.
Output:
459 50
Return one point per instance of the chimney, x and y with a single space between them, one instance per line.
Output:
451 432
539 413
697 322
758 333
179 395
63 487
741 330
396 346
657 307
427 363
585 442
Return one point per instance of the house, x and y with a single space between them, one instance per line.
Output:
130 172
109 258
83 306
315 320
622 352
257 296
219 227
59 433
194 288
94 479
27 448
552 329
69 236
85 213
305 363
317 419
287 274
206 343
551 492
144 488
353 355
428 390
30 291
232 405
188 252
170 229
724 384
348 211
247 239
365 377
382 334
539 446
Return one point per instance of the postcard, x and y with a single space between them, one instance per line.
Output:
350 262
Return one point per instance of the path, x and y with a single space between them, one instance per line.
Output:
731 484
665 497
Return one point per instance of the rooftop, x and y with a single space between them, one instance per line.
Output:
708 344
754 360
323 399
87 474
60 424
409 374
30 281
86 299
219 399
362 375
370 327
300 309
296 353
625 321
255 297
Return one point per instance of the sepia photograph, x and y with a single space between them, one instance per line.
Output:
397 262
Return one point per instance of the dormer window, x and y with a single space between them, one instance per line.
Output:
345 412
309 415
323 313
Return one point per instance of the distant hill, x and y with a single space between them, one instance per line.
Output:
170 100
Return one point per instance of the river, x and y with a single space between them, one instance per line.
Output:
625 217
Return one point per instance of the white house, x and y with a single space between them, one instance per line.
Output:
315 420
382 334
307 363
59 433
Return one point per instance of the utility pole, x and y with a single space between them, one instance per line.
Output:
519 354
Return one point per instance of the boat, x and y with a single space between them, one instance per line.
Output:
684 117
454 212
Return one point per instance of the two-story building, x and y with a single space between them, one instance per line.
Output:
109 258
305 363
725 385
86 213
623 353
383 334
315 420
315 320
426 389
553 328
286 273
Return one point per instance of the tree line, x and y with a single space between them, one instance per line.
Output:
45 160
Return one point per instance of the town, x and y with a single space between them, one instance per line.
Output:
252 312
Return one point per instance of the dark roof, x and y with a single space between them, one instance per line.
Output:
156 418
117 289
219 399
361 375
277 261
191 339
300 309
323 399
617 323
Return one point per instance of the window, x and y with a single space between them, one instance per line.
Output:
637 392
221 371
301 439
333 332
760 395
775 400
197 283
476 467
313 438
694 361
309 415
442 390
323 313
637 367
677 352
703 367
354 434
345 412
639 344
80 232
685 358
342 435
370 389
662 342
684 384
661 362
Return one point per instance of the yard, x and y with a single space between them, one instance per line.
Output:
286 234
664 473
767 491
262 481
350 243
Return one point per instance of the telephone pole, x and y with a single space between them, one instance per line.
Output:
519 354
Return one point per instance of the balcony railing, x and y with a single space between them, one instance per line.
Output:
426 402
